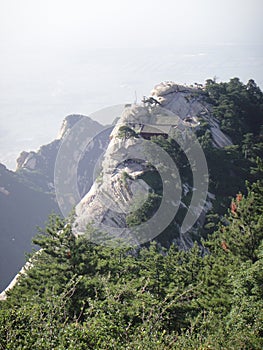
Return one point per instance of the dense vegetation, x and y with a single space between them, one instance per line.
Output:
238 108
78 295
82 296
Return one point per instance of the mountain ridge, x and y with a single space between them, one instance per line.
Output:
229 162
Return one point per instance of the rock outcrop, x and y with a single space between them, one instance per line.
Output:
171 108
37 167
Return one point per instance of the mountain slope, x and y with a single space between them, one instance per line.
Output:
27 196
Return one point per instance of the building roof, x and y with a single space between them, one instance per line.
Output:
155 129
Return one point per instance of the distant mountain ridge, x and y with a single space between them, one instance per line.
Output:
43 161
27 196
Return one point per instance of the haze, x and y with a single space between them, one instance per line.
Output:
120 23
60 57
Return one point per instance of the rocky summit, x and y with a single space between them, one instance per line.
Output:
171 111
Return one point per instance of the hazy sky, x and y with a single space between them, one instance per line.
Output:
120 23
50 66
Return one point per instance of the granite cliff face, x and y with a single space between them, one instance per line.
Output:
189 102
171 109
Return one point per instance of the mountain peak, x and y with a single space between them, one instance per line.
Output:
72 119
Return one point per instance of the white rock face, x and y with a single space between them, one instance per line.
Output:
117 189
181 100
27 160
187 102
219 138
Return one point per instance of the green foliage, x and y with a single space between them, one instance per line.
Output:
125 132
145 211
120 298
237 106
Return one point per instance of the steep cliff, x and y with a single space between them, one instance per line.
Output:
132 158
